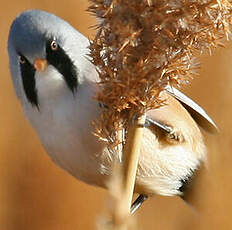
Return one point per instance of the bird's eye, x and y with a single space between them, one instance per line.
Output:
22 60
54 45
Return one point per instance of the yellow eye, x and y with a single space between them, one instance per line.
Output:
21 59
54 45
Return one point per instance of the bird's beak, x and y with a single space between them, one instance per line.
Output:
40 64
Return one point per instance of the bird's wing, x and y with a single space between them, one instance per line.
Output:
198 114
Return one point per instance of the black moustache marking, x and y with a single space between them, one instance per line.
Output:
62 62
28 79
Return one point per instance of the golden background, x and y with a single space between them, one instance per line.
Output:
36 194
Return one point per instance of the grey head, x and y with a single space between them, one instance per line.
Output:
39 35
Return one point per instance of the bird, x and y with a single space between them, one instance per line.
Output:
56 84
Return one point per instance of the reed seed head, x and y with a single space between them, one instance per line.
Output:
143 45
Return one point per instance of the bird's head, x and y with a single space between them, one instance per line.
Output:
46 54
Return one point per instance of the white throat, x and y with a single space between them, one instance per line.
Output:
63 123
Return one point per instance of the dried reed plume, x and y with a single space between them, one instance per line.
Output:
143 45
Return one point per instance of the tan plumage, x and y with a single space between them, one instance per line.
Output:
167 157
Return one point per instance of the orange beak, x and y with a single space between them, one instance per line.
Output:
40 64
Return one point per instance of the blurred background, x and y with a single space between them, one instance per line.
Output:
36 194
